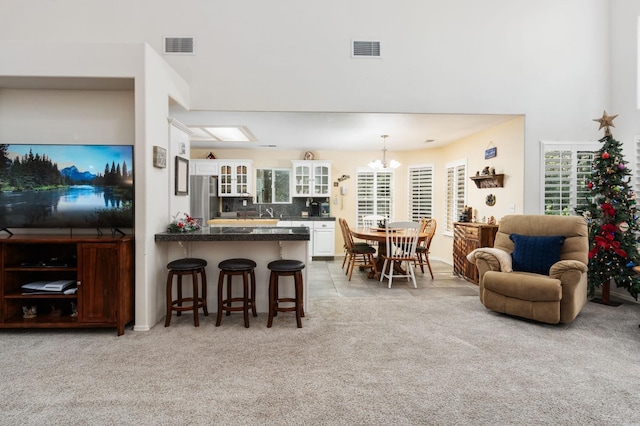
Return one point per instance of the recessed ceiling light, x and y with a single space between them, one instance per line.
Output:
230 133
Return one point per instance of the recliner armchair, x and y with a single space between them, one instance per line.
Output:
554 297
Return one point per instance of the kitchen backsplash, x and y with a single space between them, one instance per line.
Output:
297 206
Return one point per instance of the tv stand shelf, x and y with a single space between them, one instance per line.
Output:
33 268
45 321
41 296
102 267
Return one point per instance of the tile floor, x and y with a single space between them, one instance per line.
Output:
327 279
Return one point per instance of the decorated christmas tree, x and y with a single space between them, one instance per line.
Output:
611 214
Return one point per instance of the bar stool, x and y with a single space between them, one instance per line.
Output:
229 268
187 266
280 268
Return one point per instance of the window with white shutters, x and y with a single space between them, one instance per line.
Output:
420 192
566 169
456 195
374 194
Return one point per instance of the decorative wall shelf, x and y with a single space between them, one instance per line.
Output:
489 181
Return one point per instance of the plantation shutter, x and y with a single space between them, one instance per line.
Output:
567 168
374 194
584 172
449 200
420 192
461 186
383 194
456 192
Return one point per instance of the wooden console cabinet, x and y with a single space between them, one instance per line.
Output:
101 266
466 238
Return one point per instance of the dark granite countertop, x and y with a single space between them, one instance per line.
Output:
239 233
315 218
318 218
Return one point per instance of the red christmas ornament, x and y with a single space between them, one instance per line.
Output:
605 155
590 185
608 210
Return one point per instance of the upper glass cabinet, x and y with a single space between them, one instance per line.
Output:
312 178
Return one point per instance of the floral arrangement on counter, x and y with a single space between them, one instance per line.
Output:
182 222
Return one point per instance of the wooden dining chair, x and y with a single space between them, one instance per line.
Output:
345 238
401 241
422 249
372 221
357 254
345 242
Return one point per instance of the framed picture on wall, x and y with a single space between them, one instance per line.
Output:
182 176
159 157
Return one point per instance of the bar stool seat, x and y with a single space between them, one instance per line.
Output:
181 267
229 268
280 268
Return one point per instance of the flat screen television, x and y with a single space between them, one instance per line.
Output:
66 186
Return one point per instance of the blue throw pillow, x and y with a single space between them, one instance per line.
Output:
535 254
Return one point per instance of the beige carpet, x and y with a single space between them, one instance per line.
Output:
357 361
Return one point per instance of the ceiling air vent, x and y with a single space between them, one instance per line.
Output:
366 49
180 45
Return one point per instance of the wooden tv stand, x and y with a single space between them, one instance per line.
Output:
101 266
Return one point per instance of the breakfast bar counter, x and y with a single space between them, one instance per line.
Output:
262 244
239 233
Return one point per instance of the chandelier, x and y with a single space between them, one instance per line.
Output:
382 164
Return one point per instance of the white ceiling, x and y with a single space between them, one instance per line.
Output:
341 131
332 131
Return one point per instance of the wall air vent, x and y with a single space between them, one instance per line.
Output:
366 49
179 45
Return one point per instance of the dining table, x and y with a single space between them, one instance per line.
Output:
379 236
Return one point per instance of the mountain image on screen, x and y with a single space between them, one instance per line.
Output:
76 176
66 186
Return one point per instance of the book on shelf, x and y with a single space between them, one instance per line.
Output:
49 287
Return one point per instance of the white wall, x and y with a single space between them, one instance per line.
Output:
625 16
67 117
546 59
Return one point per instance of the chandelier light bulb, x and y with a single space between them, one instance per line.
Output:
383 164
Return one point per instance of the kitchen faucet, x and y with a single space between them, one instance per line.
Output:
269 210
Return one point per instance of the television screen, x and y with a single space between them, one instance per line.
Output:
66 186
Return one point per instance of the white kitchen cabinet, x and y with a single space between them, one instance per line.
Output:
324 235
203 167
234 177
311 178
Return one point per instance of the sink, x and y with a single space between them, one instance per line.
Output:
237 230
271 231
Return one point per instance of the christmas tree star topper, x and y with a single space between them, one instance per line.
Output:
606 121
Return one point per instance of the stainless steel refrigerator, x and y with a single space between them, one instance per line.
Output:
205 203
